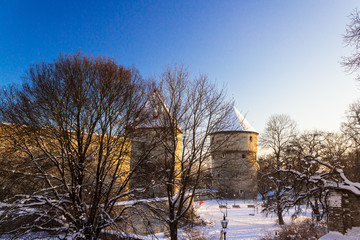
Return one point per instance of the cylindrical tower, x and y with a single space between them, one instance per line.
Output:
234 166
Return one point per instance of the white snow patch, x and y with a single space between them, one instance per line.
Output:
147 200
351 234
235 121
334 199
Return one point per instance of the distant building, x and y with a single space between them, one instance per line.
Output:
234 167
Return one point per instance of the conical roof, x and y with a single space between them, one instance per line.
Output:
234 121
155 114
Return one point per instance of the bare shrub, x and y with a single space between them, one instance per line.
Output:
307 229
191 233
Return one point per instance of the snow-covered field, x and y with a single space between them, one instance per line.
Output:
244 222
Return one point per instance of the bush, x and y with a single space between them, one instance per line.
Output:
195 234
306 229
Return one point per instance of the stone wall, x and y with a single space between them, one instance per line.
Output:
147 216
149 150
344 211
143 219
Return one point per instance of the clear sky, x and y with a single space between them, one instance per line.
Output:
272 56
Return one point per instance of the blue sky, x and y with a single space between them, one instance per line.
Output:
272 56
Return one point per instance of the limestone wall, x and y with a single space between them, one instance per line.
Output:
149 149
344 211
18 147
148 216
143 219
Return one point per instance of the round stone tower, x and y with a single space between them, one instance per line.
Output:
234 167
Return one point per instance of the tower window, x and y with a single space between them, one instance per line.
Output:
243 156
227 138
223 155
250 138
155 113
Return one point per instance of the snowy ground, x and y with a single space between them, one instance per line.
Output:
244 222
242 225
352 234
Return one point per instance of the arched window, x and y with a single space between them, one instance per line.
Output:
250 138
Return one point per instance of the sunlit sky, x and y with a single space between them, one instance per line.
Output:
272 56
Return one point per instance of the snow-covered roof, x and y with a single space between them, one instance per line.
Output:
234 121
155 113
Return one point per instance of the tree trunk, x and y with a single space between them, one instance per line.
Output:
280 216
173 230
316 210
88 232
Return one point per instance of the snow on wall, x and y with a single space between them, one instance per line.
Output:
334 199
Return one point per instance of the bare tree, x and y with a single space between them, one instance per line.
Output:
67 131
352 39
279 132
312 164
351 128
194 107
317 176
331 148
